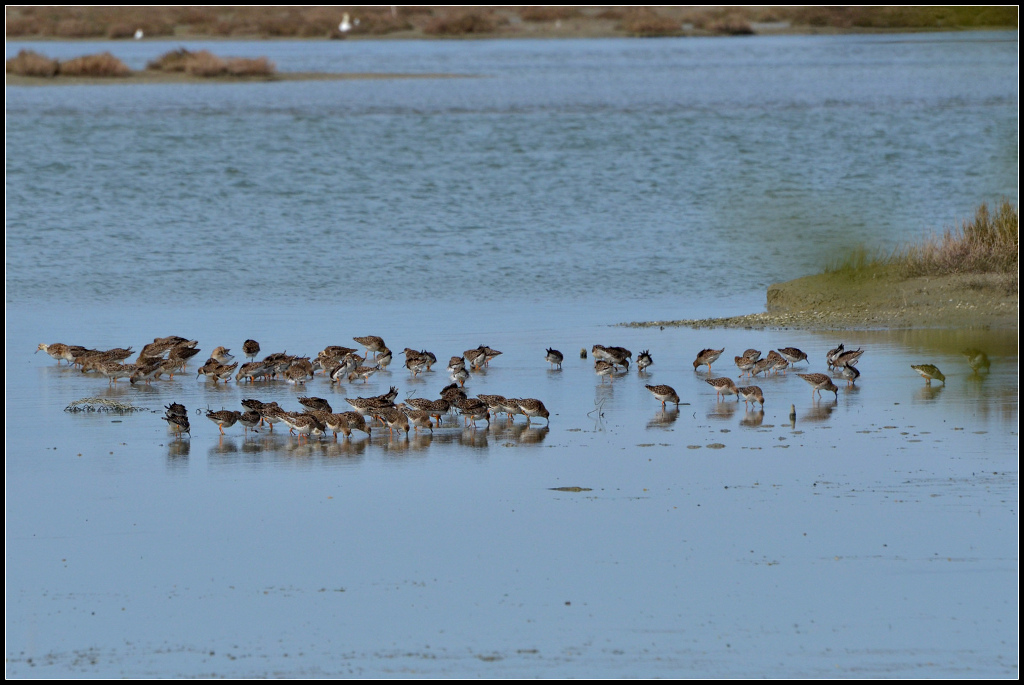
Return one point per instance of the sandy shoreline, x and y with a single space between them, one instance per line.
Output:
836 302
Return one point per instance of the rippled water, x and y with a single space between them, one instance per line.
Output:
560 187
685 175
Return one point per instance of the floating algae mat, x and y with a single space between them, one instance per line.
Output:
101 404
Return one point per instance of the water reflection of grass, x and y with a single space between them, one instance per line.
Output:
997 343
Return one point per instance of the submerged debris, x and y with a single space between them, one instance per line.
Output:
101 404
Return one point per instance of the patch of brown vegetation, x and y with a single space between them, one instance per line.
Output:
647 23
381 23
174 60
205 64
610 13
87 22
103 64
899 17
257 66
731 25
461 24
29 63
988 243
546 13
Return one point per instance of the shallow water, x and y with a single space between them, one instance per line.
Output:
527 209
875 536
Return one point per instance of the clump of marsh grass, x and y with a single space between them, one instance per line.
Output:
732 25
174 60
207 65
461 24
548 13
646 23
256 66
988 243
29 63
859 260
102 64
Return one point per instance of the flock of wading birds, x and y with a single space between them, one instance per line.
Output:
171 354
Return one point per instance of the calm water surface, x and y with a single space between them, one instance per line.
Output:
559 188
681 176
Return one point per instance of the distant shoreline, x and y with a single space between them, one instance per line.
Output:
540 34
397 22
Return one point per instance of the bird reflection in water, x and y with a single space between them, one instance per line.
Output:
300 450
420 441
821 410
532 435
397 441
753 419
504 431
723 410
178 450
345 449
664 418
929 393
471 437
224 446
263 442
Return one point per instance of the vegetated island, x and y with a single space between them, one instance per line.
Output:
966 278
177 66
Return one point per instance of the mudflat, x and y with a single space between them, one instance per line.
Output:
879 301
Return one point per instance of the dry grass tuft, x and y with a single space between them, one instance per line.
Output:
646 23
259 66
207 65
900 17
986 244
731 25
546 13
173 61
103 64
121 31
29 63
460 24
78 28
989 243
381 23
